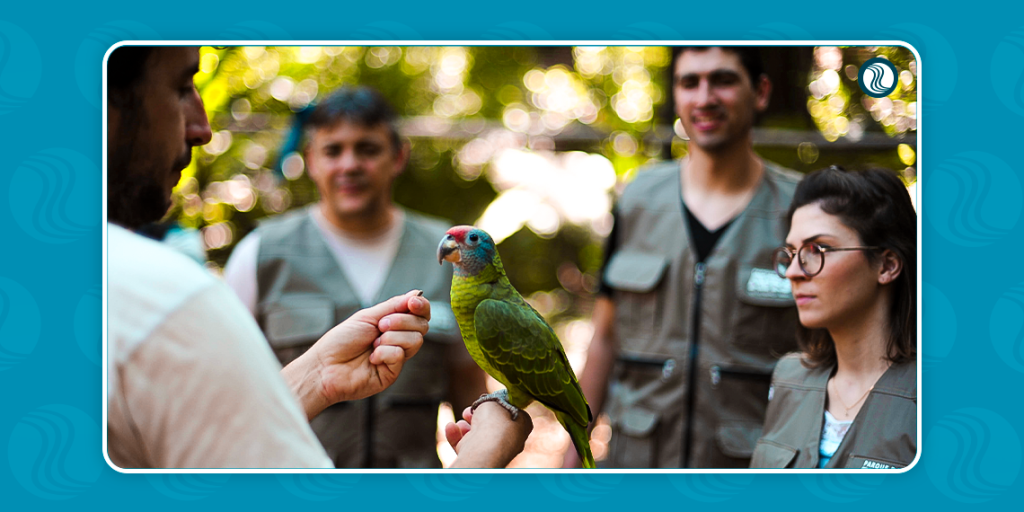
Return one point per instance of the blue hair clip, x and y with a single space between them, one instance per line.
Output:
291 143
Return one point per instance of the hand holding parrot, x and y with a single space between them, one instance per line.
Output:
509 339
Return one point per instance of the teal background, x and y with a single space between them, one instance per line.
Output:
50 251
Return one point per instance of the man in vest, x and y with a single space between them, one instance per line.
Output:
303 272
691 318
191 380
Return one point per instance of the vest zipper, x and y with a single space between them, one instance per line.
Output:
691 376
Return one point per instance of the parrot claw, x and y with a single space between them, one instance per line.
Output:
501 397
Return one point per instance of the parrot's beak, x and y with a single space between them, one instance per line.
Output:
448 250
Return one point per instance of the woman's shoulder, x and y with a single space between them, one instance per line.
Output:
792 371
899 380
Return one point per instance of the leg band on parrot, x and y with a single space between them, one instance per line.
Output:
500 396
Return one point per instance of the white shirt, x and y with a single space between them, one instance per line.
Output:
365 262
192 383
832 434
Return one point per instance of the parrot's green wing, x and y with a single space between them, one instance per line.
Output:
520 344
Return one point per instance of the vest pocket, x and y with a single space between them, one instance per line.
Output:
772 455
766 314
738 439
635 277
634 443
298 320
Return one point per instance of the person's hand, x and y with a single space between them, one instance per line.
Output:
361 356
488 437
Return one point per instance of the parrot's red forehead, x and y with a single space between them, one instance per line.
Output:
459 232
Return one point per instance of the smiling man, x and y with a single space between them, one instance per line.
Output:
190 381
301 272
691 319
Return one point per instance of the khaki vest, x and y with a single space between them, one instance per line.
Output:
302 293
882 436
746 321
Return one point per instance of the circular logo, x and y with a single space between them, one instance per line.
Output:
877 77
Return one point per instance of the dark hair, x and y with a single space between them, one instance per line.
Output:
876 205
360 105
750 58
133 199
125 68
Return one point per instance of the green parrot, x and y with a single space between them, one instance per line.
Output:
509 339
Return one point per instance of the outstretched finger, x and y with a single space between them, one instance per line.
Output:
419 306
396 304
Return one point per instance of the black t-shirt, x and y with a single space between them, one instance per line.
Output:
704 242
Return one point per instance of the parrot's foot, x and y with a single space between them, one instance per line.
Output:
500 396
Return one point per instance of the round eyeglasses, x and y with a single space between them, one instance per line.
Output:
810 256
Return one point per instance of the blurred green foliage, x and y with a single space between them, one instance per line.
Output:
600 100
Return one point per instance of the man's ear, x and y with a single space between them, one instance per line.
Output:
307 161
402 157
763 93
891 267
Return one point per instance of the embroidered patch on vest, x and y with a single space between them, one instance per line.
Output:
871 464
766 283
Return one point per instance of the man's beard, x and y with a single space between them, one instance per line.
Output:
135 200
136 190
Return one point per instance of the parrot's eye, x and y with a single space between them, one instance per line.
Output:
474 238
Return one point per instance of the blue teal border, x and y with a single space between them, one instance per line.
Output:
971 194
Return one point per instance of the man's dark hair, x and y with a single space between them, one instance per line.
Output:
133 199
750 58
876 205
360 105
125 68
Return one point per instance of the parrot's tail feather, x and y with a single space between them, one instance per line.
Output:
580 439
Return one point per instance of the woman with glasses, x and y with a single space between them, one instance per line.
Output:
849 400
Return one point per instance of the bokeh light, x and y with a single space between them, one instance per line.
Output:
532 144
